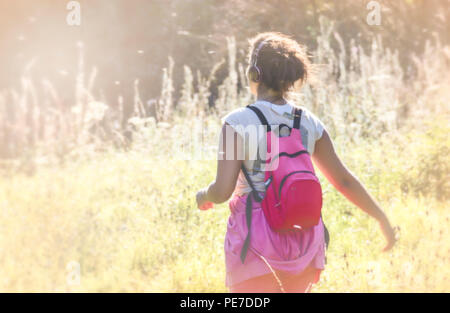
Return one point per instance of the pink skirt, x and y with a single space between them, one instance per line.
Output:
288 254
301 283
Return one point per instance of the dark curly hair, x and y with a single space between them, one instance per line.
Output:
282 61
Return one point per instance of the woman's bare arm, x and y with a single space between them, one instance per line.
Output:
326 159
228 166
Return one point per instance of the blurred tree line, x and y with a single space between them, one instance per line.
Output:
129 40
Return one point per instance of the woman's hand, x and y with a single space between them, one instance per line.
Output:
202 201
388 233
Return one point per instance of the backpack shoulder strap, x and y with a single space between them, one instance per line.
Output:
248 213
264 122
252 186
254 193
297 117
260 115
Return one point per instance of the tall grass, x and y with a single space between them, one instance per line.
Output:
75 188
358 94
129 220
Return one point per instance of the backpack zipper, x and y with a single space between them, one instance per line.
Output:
285 177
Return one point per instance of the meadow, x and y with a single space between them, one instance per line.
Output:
83 211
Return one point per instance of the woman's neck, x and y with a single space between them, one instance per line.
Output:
271 96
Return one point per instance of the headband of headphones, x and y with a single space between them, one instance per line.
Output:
255 54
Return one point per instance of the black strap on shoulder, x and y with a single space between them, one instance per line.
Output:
260 115
297 117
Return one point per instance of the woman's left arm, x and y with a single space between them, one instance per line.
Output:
229 163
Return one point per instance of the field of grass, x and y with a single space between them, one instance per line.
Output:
83 208
129 220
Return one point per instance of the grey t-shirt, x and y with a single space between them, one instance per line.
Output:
311 129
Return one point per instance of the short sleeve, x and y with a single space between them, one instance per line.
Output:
317 125
236 119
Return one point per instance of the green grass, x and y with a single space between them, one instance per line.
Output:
130 221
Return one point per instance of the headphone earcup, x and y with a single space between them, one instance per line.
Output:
254 74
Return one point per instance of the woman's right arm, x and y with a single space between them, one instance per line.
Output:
326 159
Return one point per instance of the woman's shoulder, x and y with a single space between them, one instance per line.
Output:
308 114
239 116
305 111
311 121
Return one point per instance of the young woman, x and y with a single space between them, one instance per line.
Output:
275 262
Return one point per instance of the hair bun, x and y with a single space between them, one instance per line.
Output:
281 61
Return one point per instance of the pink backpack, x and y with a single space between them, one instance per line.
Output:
293 196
